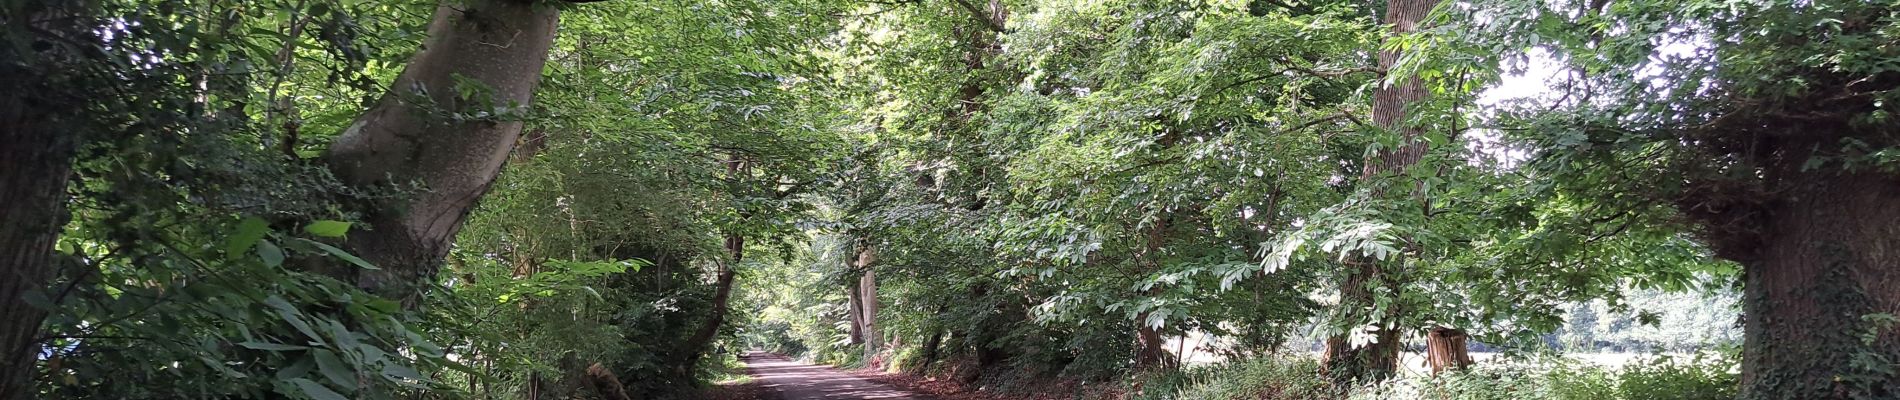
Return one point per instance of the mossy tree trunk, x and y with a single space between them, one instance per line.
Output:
1822 290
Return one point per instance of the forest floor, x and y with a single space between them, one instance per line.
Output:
776 377
951 389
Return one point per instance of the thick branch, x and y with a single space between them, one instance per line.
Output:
988 20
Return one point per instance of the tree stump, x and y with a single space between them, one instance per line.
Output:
1445 349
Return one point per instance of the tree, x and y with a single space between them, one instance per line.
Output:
866 263
1144 144
721 302
1769 123
42 104
1391 103
447 126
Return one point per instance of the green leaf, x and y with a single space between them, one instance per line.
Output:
333 368
401 372
296 369
463 368
328 228
291 315
248 233
270 253
339 253
383 305
268 346
316 390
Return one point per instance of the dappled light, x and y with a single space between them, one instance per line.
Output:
950 199
795 380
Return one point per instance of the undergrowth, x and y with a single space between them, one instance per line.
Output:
1297 378
1261 378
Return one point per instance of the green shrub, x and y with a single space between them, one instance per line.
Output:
1268 378
1660 378
1701 378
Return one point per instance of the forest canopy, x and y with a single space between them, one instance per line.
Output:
1145 199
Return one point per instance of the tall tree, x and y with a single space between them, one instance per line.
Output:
738 173
1379 359
1767 125
867 296
697 345
447 124
42 104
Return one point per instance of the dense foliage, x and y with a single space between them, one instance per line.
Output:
1185 199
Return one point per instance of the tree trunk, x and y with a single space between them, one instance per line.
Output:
37 144
35 164
1379 359
867 293
1445 349
979 43
696 346
1151 348
1150 345
930 348
1825 269
985 337
854 310
445 125
1346 363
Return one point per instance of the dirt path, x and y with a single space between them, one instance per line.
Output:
792 380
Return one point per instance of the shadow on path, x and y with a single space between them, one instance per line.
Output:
792 380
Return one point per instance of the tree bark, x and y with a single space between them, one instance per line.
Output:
1379 359
930 348
854 310
696 346
986 335
37 144
1347 363
979 45
35 165
444 124
867 293
1445 349
1151 351
1150 344
1827 264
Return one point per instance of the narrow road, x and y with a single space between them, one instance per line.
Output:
792 380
